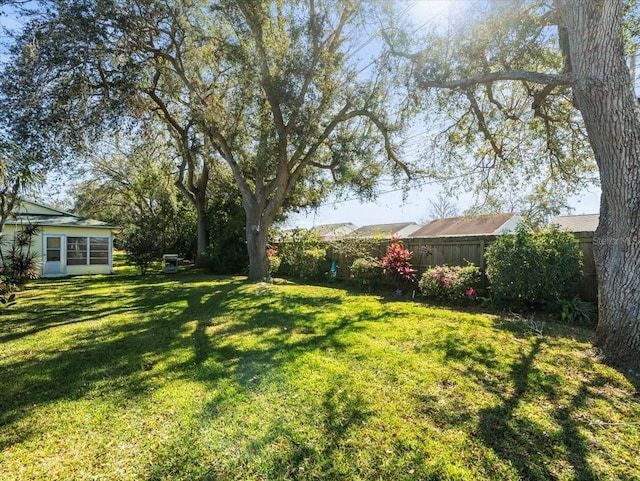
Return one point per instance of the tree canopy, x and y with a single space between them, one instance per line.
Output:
18 172
276 90
495 93
541 93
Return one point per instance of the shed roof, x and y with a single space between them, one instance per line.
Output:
401 228
577 223
469 225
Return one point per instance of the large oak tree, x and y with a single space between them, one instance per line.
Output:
533 82
280 91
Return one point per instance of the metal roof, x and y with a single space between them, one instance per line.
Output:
52 218
59 221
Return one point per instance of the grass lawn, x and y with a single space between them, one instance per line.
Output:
201 377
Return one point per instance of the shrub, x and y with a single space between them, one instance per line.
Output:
365 271
577 311
356 247
7 288
274 265
19 263
223 261
6 285
451 283
301 254
396 264
227 249
274 260
141 247
536 269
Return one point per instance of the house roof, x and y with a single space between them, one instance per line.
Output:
403 229
49 216
28 206
469 225
59 221
577 223
334 231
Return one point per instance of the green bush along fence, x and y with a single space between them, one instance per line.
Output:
460 250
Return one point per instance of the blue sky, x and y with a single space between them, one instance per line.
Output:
390 207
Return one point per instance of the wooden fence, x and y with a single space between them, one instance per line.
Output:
460 250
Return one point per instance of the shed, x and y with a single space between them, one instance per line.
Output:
66 244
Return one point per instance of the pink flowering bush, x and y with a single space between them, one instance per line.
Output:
274 259
451 283
396 264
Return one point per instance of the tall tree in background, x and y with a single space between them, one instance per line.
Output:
442 207
132 185
528 83
273 89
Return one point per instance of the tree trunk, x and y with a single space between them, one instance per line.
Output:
604 94
257 233
201 217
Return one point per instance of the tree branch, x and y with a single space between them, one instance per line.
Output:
344 115
482 124
516 75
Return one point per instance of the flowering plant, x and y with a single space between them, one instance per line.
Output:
396 263
451 283
272 257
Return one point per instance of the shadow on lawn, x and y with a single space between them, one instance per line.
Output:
118 361
528 444
523 442
95 356
275 451
77 302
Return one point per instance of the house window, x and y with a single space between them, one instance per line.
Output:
87 250
76 251
99 250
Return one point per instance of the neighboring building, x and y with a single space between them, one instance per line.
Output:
490 224
66 244
402 229
577 223
329 232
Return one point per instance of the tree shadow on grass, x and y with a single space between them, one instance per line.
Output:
74 302
120 361
276 451
536 449
111 360
523 442
288 327
266 333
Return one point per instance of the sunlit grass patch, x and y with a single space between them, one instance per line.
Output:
200 377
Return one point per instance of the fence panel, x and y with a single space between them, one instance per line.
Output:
432 251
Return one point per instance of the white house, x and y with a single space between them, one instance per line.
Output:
66 244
